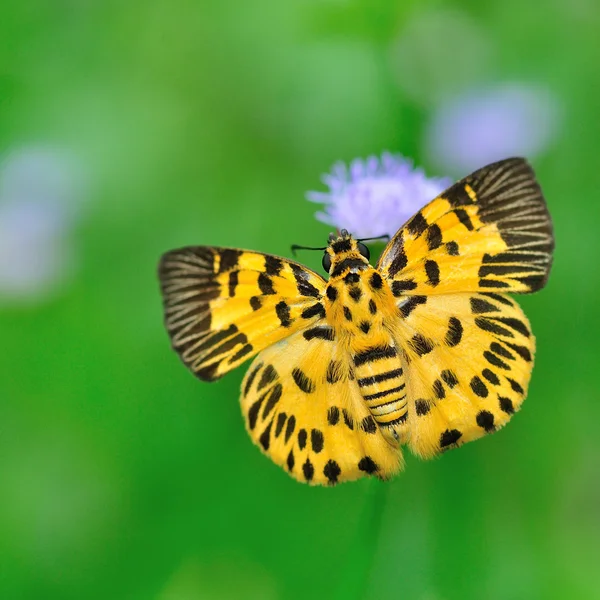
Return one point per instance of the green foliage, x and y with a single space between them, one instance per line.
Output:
205 123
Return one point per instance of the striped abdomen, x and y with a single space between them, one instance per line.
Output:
379 375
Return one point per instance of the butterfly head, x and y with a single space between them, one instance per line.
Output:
344 252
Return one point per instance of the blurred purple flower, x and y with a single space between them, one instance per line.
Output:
40 190
375 196
485 125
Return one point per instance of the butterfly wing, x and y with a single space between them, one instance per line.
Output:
468 363
304 410
224 305
489 232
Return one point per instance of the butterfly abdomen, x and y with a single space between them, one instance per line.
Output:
360 303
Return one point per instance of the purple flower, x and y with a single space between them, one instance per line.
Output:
375 196
489 124
40 196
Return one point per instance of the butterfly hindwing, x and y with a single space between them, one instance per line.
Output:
303 409
468 363
489 232
224 305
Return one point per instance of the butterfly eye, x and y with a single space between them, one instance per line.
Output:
363 250
326 262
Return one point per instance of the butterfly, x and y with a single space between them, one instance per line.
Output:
423 350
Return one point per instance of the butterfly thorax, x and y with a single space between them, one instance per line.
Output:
362 309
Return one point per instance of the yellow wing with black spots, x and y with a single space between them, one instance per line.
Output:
468 361
303 409
489 232
223 305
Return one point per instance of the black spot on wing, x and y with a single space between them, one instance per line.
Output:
302 437
303 381
399 260
449 378
367 465
516 387
479 306
506 405
316 440
422 407
308 470
420 344
322 332
250 378
265 436
331 292
495 361
281 417
273 265
479 388
486 324
313 311
432 271
348 419
304 287
269 375
485 420
522 351
368 425
274 397
454 333
255 302
334 370
253 413
233 281
289 429
282 310
434 237
410 304
491 376
265 283
403 285
333 415
464 218
229 259
332 471
417 225
452 248
515 324
449 437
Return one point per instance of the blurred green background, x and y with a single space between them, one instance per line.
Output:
184 122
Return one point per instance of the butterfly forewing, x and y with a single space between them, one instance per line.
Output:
224 305
489 232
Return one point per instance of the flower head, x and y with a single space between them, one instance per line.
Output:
487 124
375 196
39 204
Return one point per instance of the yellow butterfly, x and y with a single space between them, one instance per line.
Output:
425 349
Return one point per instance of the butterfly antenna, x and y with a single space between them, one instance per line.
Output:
295 247
385 236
